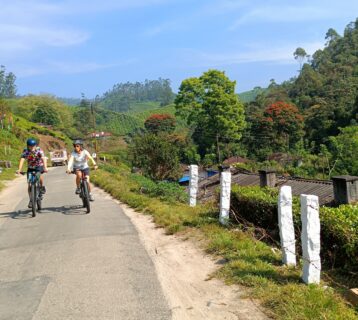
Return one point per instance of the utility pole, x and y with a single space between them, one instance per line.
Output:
94 126
218 147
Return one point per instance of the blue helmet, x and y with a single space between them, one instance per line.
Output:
31 142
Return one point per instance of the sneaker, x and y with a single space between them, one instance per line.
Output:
91 197
78 190
29 205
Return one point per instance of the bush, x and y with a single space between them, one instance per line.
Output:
168 191
339 233
156 155
339 226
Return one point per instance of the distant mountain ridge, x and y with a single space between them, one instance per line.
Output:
249 96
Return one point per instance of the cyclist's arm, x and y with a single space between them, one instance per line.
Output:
45 163
44 160
21 163
70 163
90 157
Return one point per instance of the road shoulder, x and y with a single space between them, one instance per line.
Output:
14 190
184 272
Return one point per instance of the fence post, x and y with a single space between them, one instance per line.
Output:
225 191
193 184
310 238
287 231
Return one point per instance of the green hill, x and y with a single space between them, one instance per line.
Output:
137 96
78 121
116 122
143 106
249 96
13 140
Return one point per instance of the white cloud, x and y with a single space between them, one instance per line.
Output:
291 13
95 6
29 25
207 11
31 36
256 53
26 25
65 67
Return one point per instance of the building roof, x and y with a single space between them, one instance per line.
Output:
321 188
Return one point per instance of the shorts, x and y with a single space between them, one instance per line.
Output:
86 170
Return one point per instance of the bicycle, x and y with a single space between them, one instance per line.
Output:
84 194
33 179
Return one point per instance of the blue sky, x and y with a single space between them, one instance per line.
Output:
72 46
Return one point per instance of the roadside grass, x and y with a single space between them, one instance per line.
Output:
9 139
248 262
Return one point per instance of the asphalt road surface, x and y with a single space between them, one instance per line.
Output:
66 264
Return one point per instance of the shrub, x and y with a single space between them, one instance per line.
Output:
339 226
164 190
156 155
339 233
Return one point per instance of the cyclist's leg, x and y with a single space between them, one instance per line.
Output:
78 178
29 188
42 184
87 172
78 174
28 182
89 184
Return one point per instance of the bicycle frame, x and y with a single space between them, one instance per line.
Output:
84 195
33 179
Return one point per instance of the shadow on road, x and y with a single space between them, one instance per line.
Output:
67 210
21 214
27 214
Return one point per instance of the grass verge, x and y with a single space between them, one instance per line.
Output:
249 262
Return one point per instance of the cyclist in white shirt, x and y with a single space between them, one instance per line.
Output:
78 163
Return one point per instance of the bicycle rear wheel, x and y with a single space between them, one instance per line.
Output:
85 198
33 199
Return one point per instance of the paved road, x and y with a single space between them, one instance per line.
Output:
65 264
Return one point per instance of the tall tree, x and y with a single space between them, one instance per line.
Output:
7 83
300 55
46 114
156 155
210 104
277 129
344 149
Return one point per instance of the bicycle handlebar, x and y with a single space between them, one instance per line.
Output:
24 172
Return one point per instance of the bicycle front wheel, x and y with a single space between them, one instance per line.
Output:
85 199
33 199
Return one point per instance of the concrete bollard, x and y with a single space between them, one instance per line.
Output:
285 222
225 191
193 184
310 237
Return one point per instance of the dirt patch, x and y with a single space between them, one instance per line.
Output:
184 272
49 143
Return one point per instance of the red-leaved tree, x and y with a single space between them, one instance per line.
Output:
280 125
160 123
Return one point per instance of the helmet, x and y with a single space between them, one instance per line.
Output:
31 142
78 141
